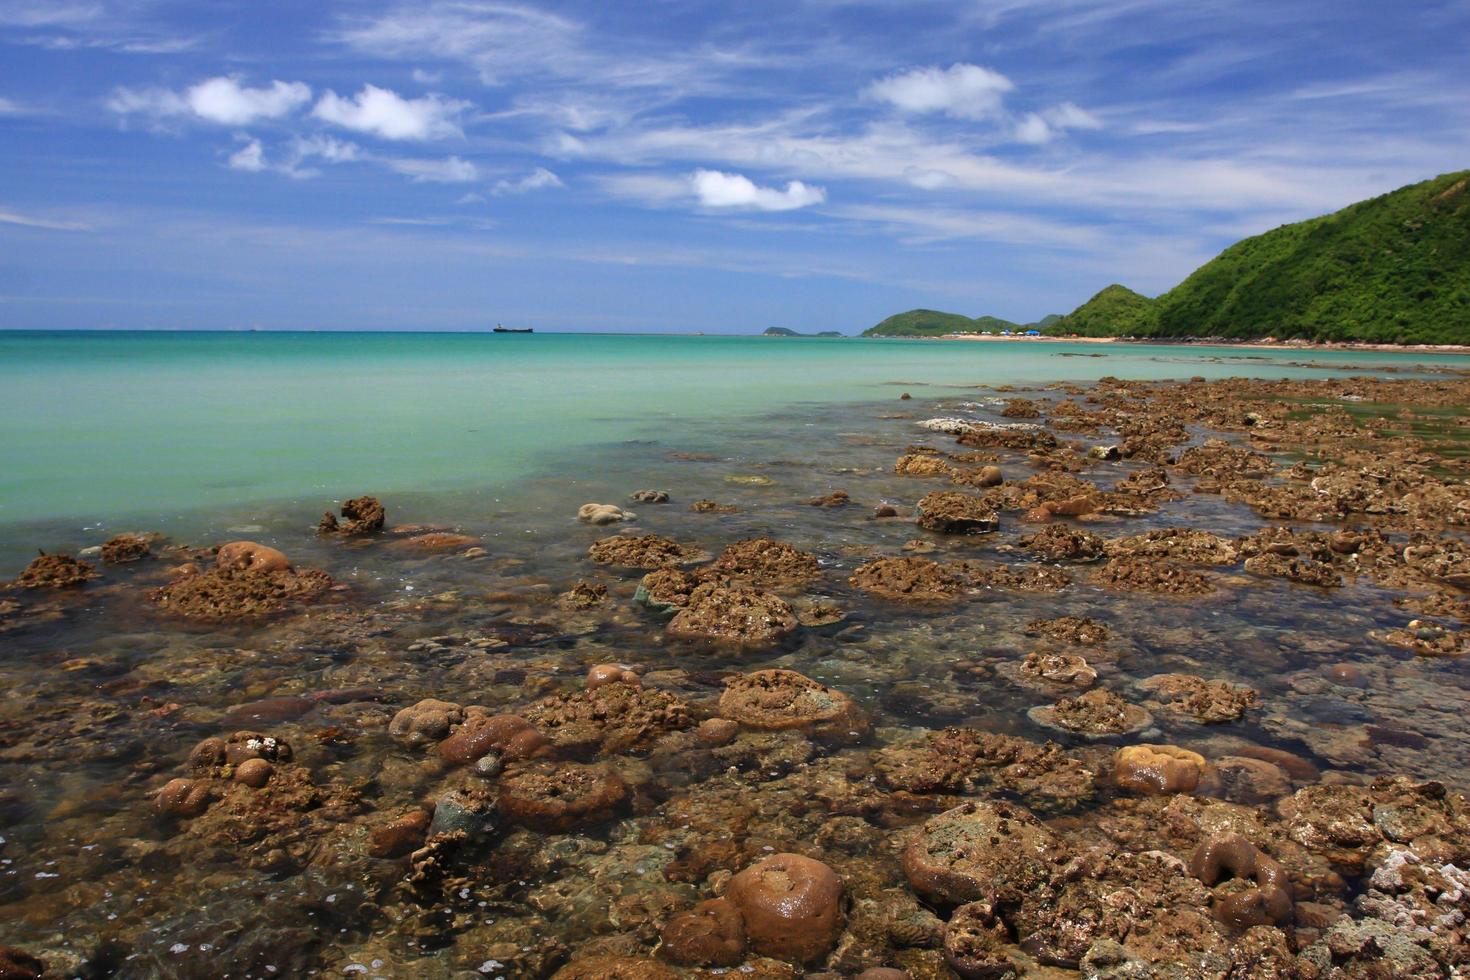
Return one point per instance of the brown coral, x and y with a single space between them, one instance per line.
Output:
1231 855
912 579
792 907
775 700
1157 770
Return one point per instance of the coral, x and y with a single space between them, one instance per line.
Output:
981 851
911 579
612 718
950 512
734 614
765 563
776 700
1157 770
124 548
1094 714
1231 855
641 551
791 905
1207 702
428 720
54 572
557 797
711 934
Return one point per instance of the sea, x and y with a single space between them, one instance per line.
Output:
194 433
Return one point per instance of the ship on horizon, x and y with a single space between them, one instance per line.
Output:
499 328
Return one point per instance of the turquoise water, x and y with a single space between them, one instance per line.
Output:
105 429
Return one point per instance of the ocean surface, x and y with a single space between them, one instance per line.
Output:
190 433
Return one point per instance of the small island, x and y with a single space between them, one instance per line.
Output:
788 332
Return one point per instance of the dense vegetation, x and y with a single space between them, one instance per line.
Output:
788 332
1116 311
1394 269
933 323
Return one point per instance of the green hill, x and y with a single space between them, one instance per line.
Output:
1393 269
1116 311
933 323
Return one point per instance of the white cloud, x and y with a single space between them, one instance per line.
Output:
327 148
717 189
538 179
450 170
250 158
963 91
384 113
1069 115
1033 129
224 100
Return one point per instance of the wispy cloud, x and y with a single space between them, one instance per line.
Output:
536 180
449 170
8 217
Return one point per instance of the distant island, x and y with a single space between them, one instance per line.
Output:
787 332
1391 270
933 323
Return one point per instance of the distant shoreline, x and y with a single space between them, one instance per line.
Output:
1284 345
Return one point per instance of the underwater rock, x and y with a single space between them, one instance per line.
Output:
791 906
466 810
252 557
1157 770
1229 855
923 464
711 934
767 564
1207 702
963 760
512 737
973 938
733 614
1021 408
1176 544
54 572
124 548
403 836
603 514
649 496
1096 714
239 589
433 542
909 579
612 718
981 851
254 773
583 596
429 720
1148 575
777 700
1070 629
837 498
614 968
603 674
707 506
1301 570
1245 780
665 590
951 512
558 797
183 798
1049 671
647 551
361 516
1059 542
17 964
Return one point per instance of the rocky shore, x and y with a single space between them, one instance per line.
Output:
1120 680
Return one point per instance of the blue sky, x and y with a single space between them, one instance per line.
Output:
816 164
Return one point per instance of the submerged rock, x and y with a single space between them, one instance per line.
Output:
124 548
982 851
1207 702
54 572
911 579
1095 714
361 516
558 797
603 514
766 563
733 614
951 512
775 700
641 551
248 587
711 934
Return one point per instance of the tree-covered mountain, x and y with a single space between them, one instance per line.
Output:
933 323
1393 269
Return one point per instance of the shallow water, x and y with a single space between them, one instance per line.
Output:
115 430
104 701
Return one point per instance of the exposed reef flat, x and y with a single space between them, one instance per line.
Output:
1113 680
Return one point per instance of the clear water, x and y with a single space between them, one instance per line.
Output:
103 431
